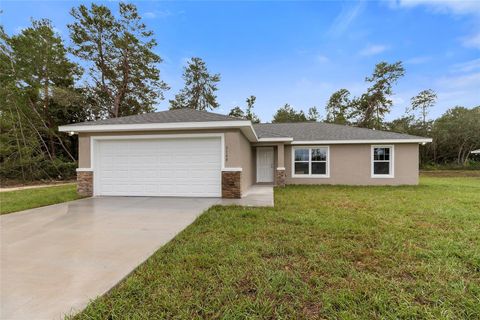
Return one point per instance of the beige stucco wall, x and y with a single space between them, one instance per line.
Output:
351 164
239 154
238 151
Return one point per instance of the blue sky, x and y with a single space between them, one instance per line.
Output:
301 52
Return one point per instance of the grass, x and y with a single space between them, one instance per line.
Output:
326 252
13 201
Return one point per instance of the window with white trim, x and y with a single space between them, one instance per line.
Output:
382 161
310 162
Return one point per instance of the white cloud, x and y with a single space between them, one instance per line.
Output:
373 49
345 18
444 6
322 59
472 41
418 60
467 66
157 14
471 80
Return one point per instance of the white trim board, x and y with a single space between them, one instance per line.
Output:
275 139
153 126
362 141
244 125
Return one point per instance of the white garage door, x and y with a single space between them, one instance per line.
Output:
158 167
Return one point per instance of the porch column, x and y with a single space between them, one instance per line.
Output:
280 170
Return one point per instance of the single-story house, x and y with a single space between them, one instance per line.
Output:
194 153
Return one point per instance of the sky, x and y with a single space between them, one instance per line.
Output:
301 52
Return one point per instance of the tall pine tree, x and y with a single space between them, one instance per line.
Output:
123 77
200 88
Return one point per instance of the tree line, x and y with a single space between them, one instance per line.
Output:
111 69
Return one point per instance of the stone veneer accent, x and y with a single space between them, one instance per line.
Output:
231 187
280 177
85 183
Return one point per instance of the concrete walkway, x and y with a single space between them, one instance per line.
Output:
256 196
55 259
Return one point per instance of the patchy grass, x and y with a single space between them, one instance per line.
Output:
450 173
327 252
13 201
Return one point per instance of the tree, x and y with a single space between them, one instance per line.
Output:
47 77
37 95
422 102
200 87
248 114
288 114
237 112
402 125
339 107
123 77
313 114
372 106
455 134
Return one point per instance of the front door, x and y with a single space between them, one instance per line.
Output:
265 164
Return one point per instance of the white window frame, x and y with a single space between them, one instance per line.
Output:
391 162
310 175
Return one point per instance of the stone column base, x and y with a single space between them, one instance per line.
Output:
280 177
231 187
85 183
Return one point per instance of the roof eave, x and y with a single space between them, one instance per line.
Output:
244 125
364 141
276 139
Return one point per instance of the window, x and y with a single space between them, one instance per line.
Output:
310 162
382 161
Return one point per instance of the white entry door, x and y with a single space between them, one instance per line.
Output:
265 164
177 167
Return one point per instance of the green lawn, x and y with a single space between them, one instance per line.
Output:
32 198
332 252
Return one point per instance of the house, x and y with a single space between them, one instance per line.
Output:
202 154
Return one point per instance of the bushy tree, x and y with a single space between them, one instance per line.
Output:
123 75
288 114
248 113
37 94
237 112
455 134
200 87
313 114
339 107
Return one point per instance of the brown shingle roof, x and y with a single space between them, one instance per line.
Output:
177 115
311 131
299 131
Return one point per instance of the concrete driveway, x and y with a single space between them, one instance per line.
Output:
55 259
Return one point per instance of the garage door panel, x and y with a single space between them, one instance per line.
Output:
159 167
